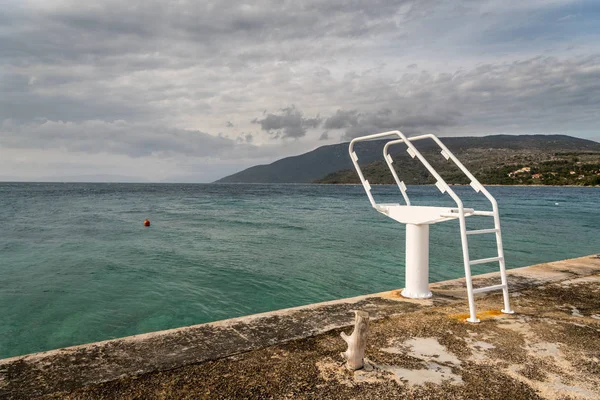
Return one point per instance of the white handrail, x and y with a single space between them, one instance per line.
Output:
354 159
412 150
441 184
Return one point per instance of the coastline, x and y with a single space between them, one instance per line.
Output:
276 183
455 184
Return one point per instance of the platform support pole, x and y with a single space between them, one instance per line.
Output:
417 262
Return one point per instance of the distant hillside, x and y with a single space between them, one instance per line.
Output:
306 167
490 167
479 152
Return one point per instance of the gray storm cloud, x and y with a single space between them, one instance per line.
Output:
341 119
289 123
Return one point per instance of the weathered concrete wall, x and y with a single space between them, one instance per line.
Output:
65 370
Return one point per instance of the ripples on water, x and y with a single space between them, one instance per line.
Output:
77 264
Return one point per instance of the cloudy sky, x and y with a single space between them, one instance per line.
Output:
190 91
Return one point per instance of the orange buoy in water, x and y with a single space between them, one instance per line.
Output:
147 222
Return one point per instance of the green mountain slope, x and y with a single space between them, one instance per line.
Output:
497 167
476 152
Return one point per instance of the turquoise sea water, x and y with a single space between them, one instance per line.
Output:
77 264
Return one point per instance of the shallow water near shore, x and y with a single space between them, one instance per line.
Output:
77 265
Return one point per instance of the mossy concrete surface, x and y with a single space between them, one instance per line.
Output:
416 349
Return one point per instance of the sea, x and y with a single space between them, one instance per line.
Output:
77 264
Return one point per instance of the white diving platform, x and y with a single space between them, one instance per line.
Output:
418 219
420 215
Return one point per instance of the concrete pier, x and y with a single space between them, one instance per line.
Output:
416 349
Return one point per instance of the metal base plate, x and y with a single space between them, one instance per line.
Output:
410 295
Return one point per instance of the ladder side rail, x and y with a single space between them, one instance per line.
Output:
461 215
504 280
467 265
354 159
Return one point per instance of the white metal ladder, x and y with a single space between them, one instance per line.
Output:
431 215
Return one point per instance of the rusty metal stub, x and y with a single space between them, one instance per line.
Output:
482 315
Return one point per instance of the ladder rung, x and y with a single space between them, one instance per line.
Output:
485 260
488 288
484 213
480 231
